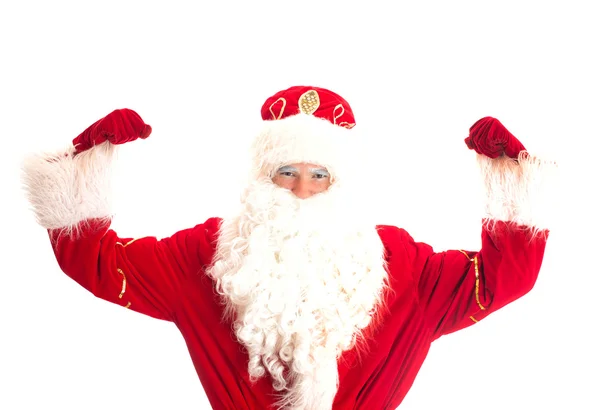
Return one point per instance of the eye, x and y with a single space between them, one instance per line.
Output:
320 175
286 173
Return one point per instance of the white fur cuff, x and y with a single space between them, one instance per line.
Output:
65 189
523 192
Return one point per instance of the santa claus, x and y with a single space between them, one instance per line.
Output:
300 300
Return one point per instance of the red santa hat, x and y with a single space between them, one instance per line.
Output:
304 124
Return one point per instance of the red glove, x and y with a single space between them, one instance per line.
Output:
489 137
118 127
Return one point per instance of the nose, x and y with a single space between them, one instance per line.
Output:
303 189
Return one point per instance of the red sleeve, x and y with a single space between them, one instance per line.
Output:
458 288
144 274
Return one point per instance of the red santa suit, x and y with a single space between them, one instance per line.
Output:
418 295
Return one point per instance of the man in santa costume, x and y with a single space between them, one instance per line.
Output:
300 300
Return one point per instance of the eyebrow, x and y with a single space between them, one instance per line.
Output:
287 168
321 170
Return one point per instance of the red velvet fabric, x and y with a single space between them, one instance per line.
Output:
433 294
328 105
118 127
489 137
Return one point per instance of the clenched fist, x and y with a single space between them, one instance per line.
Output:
118 127
489 137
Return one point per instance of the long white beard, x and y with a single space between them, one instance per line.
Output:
301 279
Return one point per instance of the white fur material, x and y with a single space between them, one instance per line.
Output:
523 191
302 138
301 280
65 189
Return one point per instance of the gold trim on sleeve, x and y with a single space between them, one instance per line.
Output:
127 244
477 283
127 306
465 253
476 262
473 319
124 285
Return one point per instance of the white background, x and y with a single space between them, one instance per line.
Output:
417 77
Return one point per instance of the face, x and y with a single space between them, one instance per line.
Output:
304 180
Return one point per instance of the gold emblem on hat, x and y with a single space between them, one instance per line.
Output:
338 111
281 109
309 102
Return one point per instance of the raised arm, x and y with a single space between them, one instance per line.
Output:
70 193
458 288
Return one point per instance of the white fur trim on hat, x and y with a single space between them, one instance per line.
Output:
302 138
